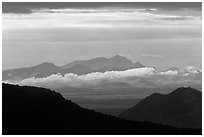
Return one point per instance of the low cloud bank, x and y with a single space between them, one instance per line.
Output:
74 80
148 75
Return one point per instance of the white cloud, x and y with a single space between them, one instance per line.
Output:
131 76
192 69
170 72
70 79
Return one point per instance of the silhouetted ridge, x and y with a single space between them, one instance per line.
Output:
94 63
32 110
41 70
181 108
101 64
47 64
185 91
80 67
118 57
138 65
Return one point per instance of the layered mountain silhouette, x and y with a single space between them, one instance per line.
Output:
32 110
77 69
119 63
95 63
41 70
100 64
181 108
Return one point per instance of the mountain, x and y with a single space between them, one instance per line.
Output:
101 64
94 63
118 63
77 69
32 110
41 70
181 108
81 67
138 65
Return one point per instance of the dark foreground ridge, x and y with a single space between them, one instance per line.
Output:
181 108
32 110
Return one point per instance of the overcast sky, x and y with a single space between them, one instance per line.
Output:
156 34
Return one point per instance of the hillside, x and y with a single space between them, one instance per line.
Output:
32 110
181 108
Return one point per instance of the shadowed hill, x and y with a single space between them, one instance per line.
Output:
32 110
181 108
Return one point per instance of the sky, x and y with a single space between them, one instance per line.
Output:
159 35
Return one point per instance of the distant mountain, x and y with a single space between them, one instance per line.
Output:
94 63
138 65
182 108
32 110
119 63
41 70
101 64
77 69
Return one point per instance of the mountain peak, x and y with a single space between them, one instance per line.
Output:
121 58
138 64
185 91
181 108
118 56
46 64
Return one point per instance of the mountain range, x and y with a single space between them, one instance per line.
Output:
88 76
36 111
181 108
100 64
